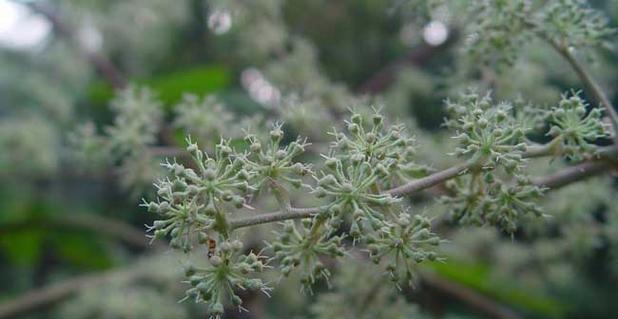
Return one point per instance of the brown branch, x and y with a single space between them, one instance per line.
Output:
575 173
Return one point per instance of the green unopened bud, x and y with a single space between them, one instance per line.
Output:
353 128
276 135
330 163
280 154
483 122
210 174
256 146
236 300
377 119
225 150
238 202
153 207
192 148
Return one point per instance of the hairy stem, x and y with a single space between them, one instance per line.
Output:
430 180
293 213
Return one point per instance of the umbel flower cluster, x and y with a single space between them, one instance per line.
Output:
361 182
360 186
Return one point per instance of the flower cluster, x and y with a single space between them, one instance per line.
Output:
481 199
390 150
127 142
500 27
192 203
405 243
301 247
497 34
486 132
227 270
352 189
356 284
573 23
574 128
206 118
138 115
273 163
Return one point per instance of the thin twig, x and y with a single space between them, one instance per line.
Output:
429 181
575 173
293 213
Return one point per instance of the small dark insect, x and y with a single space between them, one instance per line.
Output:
212 246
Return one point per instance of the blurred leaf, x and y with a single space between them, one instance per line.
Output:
477 277
83 250
22 247
199 80
170 87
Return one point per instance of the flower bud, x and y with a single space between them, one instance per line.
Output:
192 148
276 135
280 154
377 119
210 174
256 146
153 207
238 202
215 260
353 128
236 300
370 137
225 247
483 122
331 163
